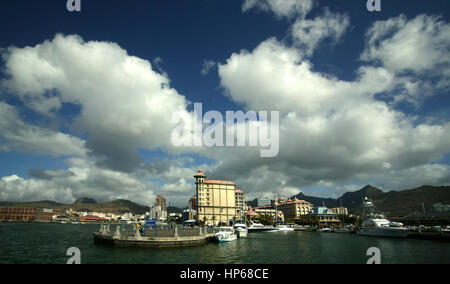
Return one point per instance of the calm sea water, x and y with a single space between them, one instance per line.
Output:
48 244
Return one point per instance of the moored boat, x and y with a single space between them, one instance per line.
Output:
378 225
257 227
325 230
241 230
225 234
284 228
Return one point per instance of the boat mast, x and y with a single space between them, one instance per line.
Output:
276 208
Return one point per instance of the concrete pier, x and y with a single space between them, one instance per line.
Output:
431 236
153 238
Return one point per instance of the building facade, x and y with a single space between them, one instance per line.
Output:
324 215
14 214
268 210
159 209
17 214
218 202
294 208
340 211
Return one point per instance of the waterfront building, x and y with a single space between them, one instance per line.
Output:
13 214
240 202
216 200
161 201
93 219
125 217
189 214
340 211
268 210
192 204
324 215
294 208
17 214
159 209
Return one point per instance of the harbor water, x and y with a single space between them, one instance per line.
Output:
48 244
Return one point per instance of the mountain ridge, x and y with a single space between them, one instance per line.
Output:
395 203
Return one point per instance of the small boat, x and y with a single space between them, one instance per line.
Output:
325 230
445 230
257 227
241 230
284 228
225 234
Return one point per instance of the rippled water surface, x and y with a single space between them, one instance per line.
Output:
48 243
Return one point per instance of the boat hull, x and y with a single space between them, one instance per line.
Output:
384 232
227 239
242 233
255 230
344 232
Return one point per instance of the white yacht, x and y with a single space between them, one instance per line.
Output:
284 228
241 230
225 234
258 227
377 225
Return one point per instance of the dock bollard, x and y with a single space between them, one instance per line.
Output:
137 235
175 235
117 234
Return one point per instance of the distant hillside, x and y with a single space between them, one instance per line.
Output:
317 201
86 204
34 204
84 201
173 209
393 203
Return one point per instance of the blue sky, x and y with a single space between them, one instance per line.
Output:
177 38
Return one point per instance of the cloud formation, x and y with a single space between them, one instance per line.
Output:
281 8
308 34
333 132
125 105
416 50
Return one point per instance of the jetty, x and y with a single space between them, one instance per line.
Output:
153 238
429 235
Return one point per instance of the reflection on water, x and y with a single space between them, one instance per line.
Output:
48 243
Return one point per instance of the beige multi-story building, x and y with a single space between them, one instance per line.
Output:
217 200
268 210
240 202
340 211
294 208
